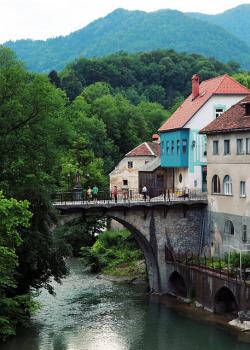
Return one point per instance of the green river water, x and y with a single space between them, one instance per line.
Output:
93 313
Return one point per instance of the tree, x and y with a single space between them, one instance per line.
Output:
31 145
54 78
13 308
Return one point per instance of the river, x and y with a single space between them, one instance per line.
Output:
92 313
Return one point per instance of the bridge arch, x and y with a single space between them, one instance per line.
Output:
225 301
149 255
150 258
177 285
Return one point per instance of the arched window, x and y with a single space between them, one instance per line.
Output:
227 185
229 227
216 184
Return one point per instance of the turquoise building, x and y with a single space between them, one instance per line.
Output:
183 149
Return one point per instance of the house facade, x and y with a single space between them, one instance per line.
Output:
228 165
155 178
183 149
125 173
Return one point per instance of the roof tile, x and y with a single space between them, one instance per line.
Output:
145 149
234 118
223 85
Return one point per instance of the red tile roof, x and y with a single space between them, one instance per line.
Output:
223 85
234 118
145 149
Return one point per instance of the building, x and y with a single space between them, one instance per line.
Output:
155 178
228 164
183 149
125 173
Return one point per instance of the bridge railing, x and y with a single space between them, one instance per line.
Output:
130 195
214 266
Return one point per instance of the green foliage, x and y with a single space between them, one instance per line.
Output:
235 259
80 233
112 250
235 20
243 78
33 135
13 309
162 78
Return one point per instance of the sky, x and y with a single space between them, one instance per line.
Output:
43 19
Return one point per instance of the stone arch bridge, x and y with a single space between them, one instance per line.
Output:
163 230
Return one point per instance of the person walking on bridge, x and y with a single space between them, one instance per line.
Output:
115 193
95 191
89 193
144 191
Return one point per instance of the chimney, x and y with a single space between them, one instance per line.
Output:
195 86
156 138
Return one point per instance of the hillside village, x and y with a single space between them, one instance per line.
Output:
204 145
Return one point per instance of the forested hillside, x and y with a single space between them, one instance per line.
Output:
236 21
134 31
161 76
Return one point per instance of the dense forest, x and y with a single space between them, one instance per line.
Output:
84 118
235 20
161 76
134 31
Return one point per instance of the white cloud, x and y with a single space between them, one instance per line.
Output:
42 19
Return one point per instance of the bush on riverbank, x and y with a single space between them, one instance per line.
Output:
115 253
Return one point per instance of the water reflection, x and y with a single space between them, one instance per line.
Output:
90 313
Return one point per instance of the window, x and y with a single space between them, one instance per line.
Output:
229 227
130 165
162 148
218 112
216 184
205 146
178 146
180 178
242 189
184 146
244 233
125 182
215 147
226 146
239 143
172 147
227 185
247 146
167 148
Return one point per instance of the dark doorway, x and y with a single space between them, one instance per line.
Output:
177 285
225 301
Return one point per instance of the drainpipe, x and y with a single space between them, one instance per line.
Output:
173 180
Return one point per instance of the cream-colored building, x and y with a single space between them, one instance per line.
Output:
125 173
228 178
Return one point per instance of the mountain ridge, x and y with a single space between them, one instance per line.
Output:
134 31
